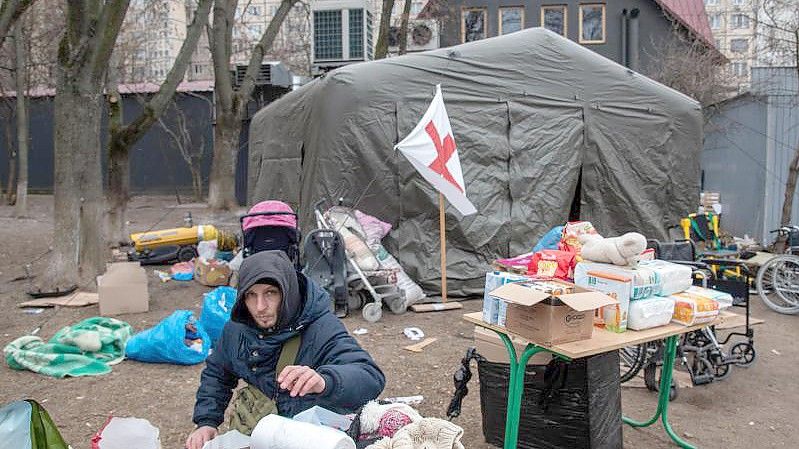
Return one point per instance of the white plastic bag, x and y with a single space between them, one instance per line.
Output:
649 313
207 249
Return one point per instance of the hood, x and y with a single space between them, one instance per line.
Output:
276 267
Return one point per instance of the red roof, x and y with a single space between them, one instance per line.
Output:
691 14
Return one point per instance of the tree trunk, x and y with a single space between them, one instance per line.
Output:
84 52
381 49
78 239
787 203
11 194
403 37
197 182
10 10
222 183
21 208
118 193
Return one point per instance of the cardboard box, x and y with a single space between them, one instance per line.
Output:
490 346
548 319
123 289
211 273
614 316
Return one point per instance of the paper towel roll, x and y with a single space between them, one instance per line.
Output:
276 432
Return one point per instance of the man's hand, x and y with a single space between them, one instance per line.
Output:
300 380
200 436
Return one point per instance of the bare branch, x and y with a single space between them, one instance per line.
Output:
260 49
154 108
10 10
110 21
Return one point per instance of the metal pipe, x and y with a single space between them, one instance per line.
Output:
624 37
633 47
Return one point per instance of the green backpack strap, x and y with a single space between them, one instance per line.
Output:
288 355
251 404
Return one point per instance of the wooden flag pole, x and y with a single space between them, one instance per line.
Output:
443 232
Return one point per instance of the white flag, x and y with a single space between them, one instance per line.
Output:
431 149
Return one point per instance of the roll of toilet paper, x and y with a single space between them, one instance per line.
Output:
277 432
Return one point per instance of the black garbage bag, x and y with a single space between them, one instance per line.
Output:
570 405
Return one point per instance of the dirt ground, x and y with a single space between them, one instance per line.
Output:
753 408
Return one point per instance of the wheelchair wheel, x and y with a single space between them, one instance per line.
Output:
722 371
743 352
631 360
778 284
652 374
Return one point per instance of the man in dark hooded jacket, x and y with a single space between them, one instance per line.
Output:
275 304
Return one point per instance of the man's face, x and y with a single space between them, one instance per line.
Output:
263 303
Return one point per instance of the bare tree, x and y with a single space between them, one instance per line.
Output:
381 49
192 148
691 66
123 136
10 10
84 51
23 119
403 36
231 103
11 150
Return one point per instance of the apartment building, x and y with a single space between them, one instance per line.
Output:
734 27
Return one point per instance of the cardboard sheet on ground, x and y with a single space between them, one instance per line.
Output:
77 299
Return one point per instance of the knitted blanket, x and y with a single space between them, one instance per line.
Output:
88 348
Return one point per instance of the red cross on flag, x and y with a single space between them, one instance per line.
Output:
431 149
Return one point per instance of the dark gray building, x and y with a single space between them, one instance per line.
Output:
626 31
156 162
749 144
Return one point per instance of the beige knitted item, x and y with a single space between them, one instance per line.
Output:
429 433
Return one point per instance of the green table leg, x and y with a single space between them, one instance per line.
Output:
515 388
663 395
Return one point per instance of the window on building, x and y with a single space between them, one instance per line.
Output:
711 2
554 18
718 44
511 19
739 45
356 33
256 29
715 21
592 24
740 21
738 2
473 24
254 10
739 68
198 69
416 8
273 10
327 34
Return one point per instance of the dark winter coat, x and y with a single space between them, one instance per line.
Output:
248 352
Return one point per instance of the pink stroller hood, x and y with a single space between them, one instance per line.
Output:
288 220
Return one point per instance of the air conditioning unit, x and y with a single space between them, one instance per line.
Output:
423 34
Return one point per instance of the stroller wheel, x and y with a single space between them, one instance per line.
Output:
397 305
744 353
372 312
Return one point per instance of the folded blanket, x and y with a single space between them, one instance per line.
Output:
88 348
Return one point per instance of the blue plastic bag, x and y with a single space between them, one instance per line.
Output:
549 240
217 305
165 343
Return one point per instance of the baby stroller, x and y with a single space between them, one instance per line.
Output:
368 286
271 225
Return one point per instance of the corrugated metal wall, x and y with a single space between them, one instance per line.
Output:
748 147
781 144
734 163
